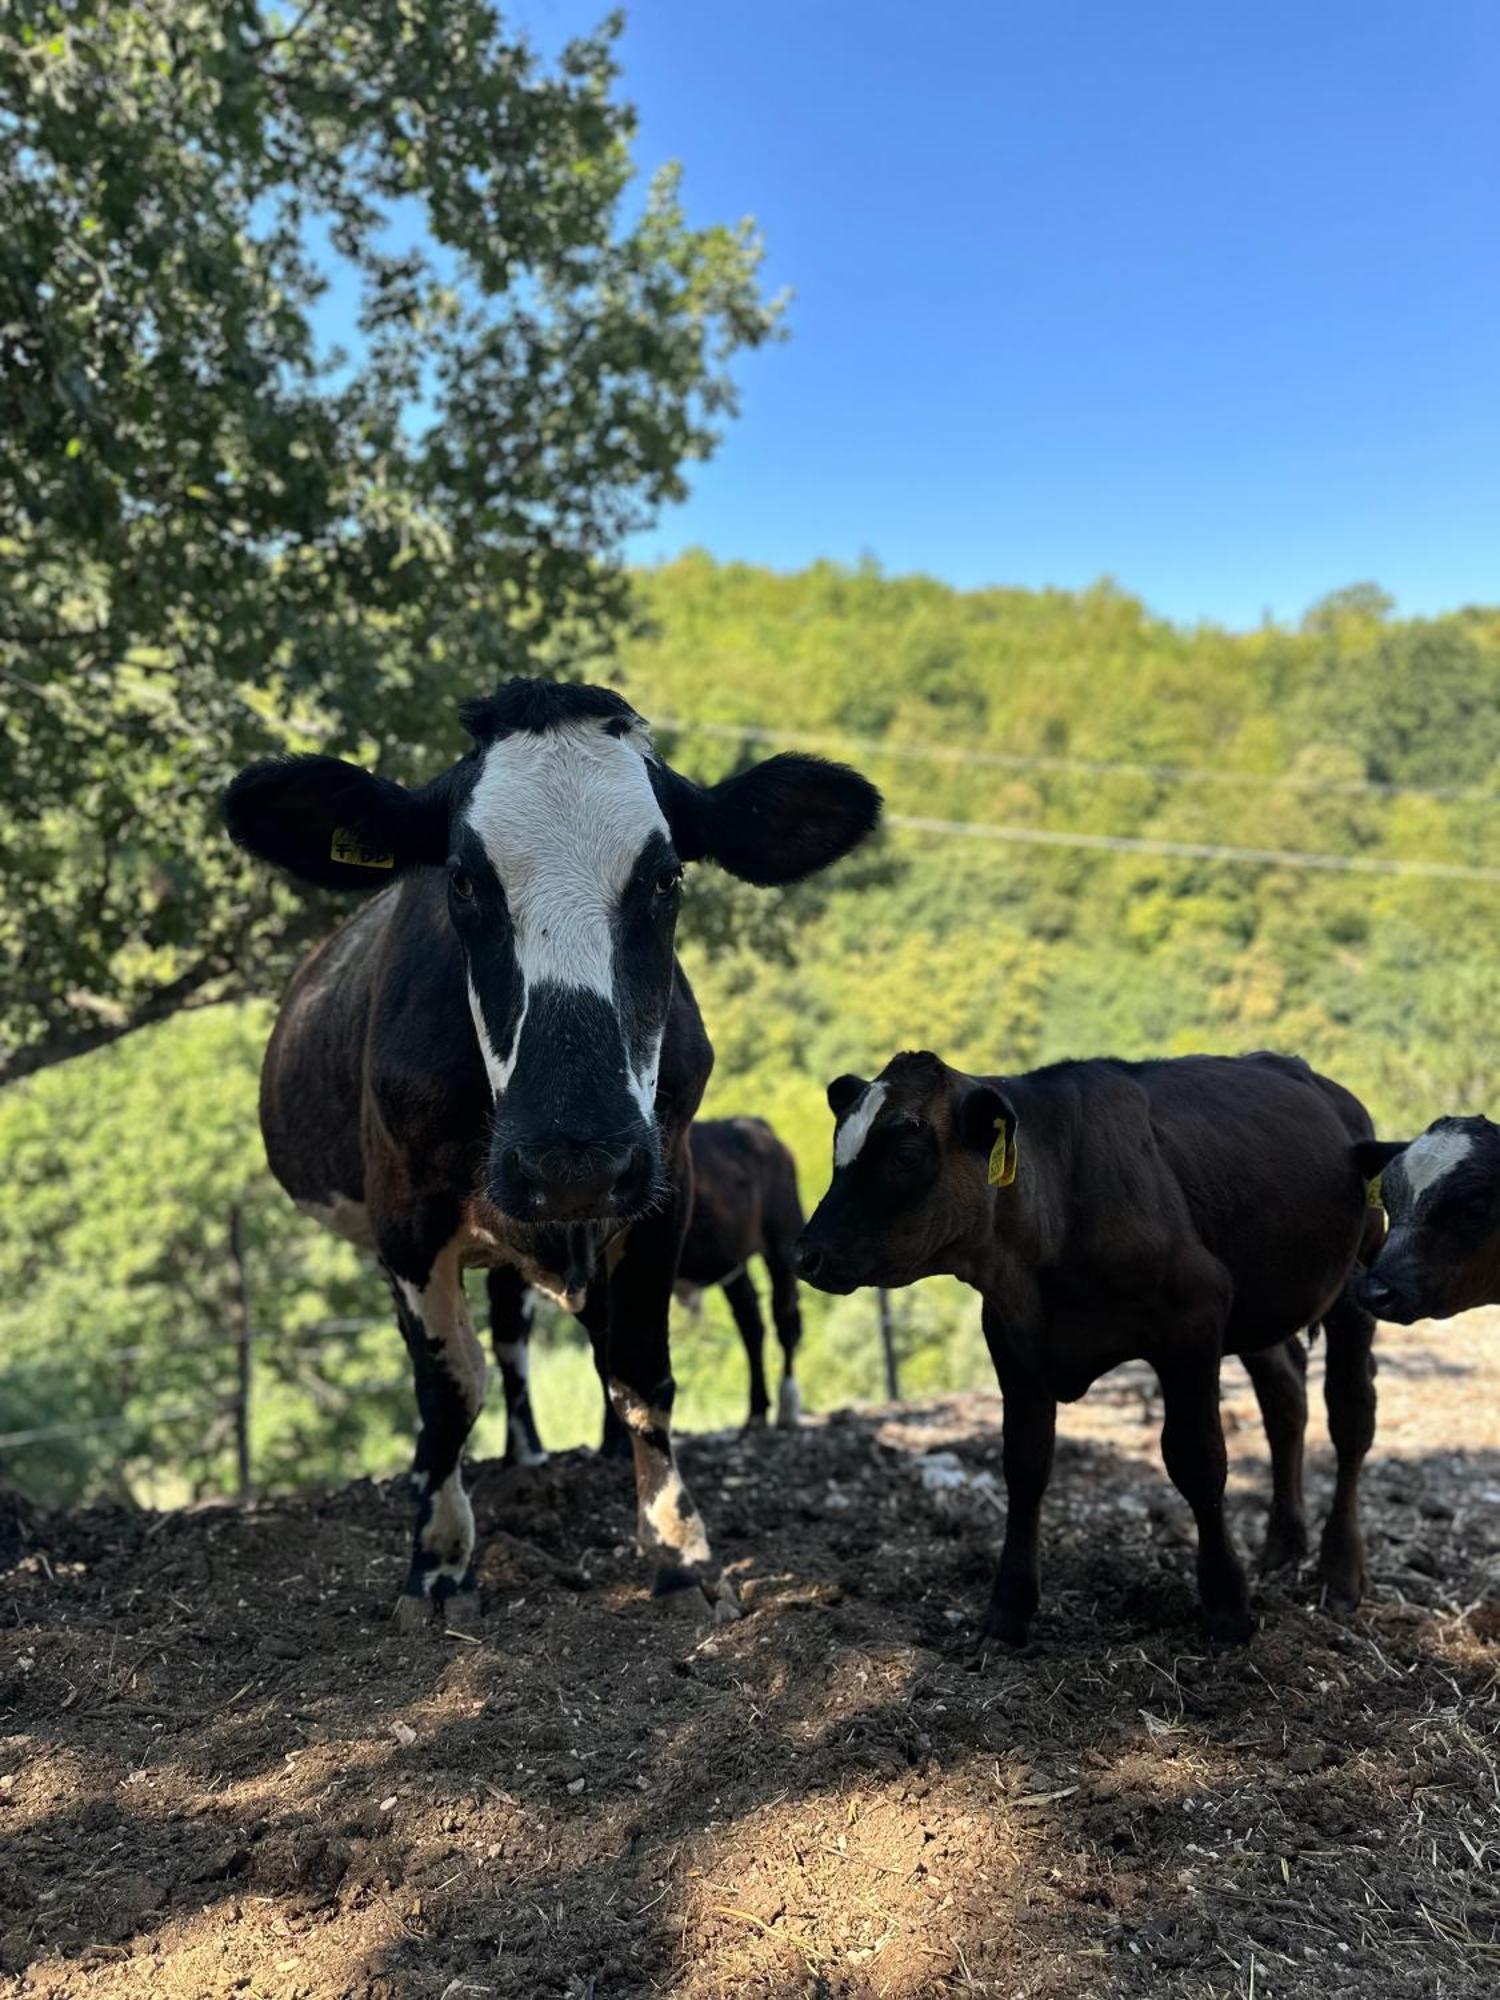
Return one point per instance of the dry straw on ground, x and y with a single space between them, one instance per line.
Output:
222 1771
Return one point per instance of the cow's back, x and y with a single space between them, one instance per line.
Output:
1260 1146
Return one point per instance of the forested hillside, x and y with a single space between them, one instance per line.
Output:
1355 736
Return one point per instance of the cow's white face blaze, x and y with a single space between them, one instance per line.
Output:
563 886
562 820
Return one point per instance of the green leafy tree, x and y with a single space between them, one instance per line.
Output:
218 538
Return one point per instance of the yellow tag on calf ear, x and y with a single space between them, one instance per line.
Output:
351 848
1003 1155
1373 1195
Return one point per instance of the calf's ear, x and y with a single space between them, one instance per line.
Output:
773 824
331 824
987 1123
843 1092
1372 1156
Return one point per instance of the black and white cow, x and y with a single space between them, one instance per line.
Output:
1441 1195
496 1061
745 1204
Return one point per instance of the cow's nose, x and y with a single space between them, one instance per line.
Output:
566 1180
1375 1294
811 1260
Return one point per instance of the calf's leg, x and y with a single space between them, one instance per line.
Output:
1029 1435
512 1305
448 1368
786 1311
1349 1390
1192 1446
1280 1378
745 1306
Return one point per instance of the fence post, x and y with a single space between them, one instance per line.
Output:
239 1314
888 1345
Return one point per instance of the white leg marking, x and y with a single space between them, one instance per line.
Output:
672 1522
855 1129
449 1533
789 1402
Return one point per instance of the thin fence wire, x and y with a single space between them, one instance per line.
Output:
1074 767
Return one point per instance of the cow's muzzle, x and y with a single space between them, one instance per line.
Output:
564 1180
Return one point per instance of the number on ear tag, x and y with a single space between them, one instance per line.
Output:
351 848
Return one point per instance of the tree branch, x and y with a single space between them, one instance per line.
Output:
65 1043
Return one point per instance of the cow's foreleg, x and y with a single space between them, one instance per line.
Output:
448 1366
1192 1445
1349 1390
1279 1375
1028 1438
745 1306
669 1529
593 1317
512 1305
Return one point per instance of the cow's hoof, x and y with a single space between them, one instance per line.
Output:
1233 1625
1342 1593
1285 1546
461 1610
413 1611
789 1406
1003 1628
682 1595
526 1457
756 1421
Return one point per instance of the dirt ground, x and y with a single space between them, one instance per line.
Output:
224 1771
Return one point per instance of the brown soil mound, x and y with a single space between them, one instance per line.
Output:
224 1771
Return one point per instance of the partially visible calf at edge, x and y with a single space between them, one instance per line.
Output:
1441 1195
495 1062
1172 1212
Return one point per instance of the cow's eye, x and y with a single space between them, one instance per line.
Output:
462 884
669 881
910 1158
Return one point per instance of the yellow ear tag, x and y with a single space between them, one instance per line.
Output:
1372 1192
351 849
1003 1156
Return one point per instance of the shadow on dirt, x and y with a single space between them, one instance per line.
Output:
223 1770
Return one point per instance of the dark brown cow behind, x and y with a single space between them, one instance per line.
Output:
1172 1212
745 1205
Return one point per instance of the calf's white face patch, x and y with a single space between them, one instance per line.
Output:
1431 1158
854 1131
563 815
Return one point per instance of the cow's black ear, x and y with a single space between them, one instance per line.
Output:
987 1121
772 824
843 1092
331 824
1372 1156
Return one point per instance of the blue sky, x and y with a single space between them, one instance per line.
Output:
1202 296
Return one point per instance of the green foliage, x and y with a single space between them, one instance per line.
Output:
217 540
121 1168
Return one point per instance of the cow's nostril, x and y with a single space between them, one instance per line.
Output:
1378 1294
810 1261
